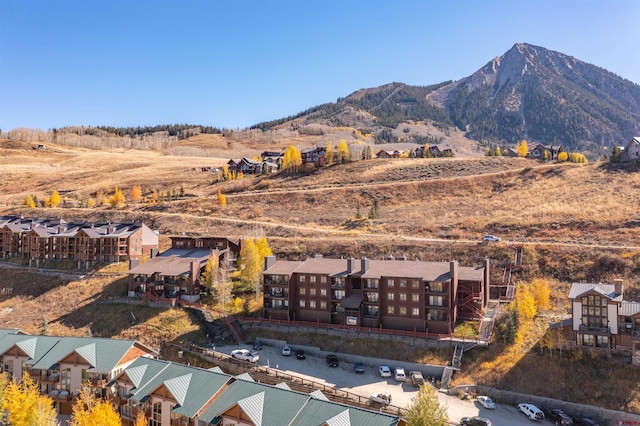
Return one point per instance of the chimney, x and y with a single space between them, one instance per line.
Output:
269 261
618 287
351 265
133 263
364 265
453 274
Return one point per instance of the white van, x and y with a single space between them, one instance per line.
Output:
531 411
399 374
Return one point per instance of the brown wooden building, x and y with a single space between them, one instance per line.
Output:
53 239
391 294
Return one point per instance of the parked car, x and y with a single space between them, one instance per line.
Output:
531 411
559 417
300 354
384 371
491 238
332 361
399 374
380 398
585 421
416 378
475 421
257 345
286 350
486 402
359 368
245 355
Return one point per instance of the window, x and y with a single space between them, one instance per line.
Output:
312 278
303 291
323 304
372 310
339 294
436 301
403 310
156 415
371 297
391 283
312 304
323 279
403 297
594 312
323 292
415 297
415 284
403 283
303 278
390 296
312 292
372 283
415 312
436 315
436 286
391 310
303 303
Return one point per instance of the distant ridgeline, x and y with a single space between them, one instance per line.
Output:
145 137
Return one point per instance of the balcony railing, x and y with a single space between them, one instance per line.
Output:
594 330
278 294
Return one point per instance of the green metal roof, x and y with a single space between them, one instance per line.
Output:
192 387
317 412
45 352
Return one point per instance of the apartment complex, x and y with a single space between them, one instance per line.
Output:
175 273
63 366
88 243
407 295
128 374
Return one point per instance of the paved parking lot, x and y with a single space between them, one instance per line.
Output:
344 377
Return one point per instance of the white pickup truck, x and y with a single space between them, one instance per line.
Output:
380 398
245 355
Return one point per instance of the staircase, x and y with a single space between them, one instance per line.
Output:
457 357
446 378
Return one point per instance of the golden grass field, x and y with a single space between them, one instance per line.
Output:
577 223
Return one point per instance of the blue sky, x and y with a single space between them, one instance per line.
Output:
231 64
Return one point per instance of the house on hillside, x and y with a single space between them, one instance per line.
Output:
509 152
538 152
601 318
391 294
315 156
434 151
175 274
389 154
632 151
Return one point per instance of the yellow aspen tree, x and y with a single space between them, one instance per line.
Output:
343 152
525 303
136 194
117 199
91 203
25 406
263 247
562 157
141 420
28 201
222 200
522 148
47 202
154 197
498 151
426 152
292 159
210 272
88 410
250 264
329 154
541 293
55 199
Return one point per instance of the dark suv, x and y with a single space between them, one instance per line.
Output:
559 417
332 360
475 421
586 422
